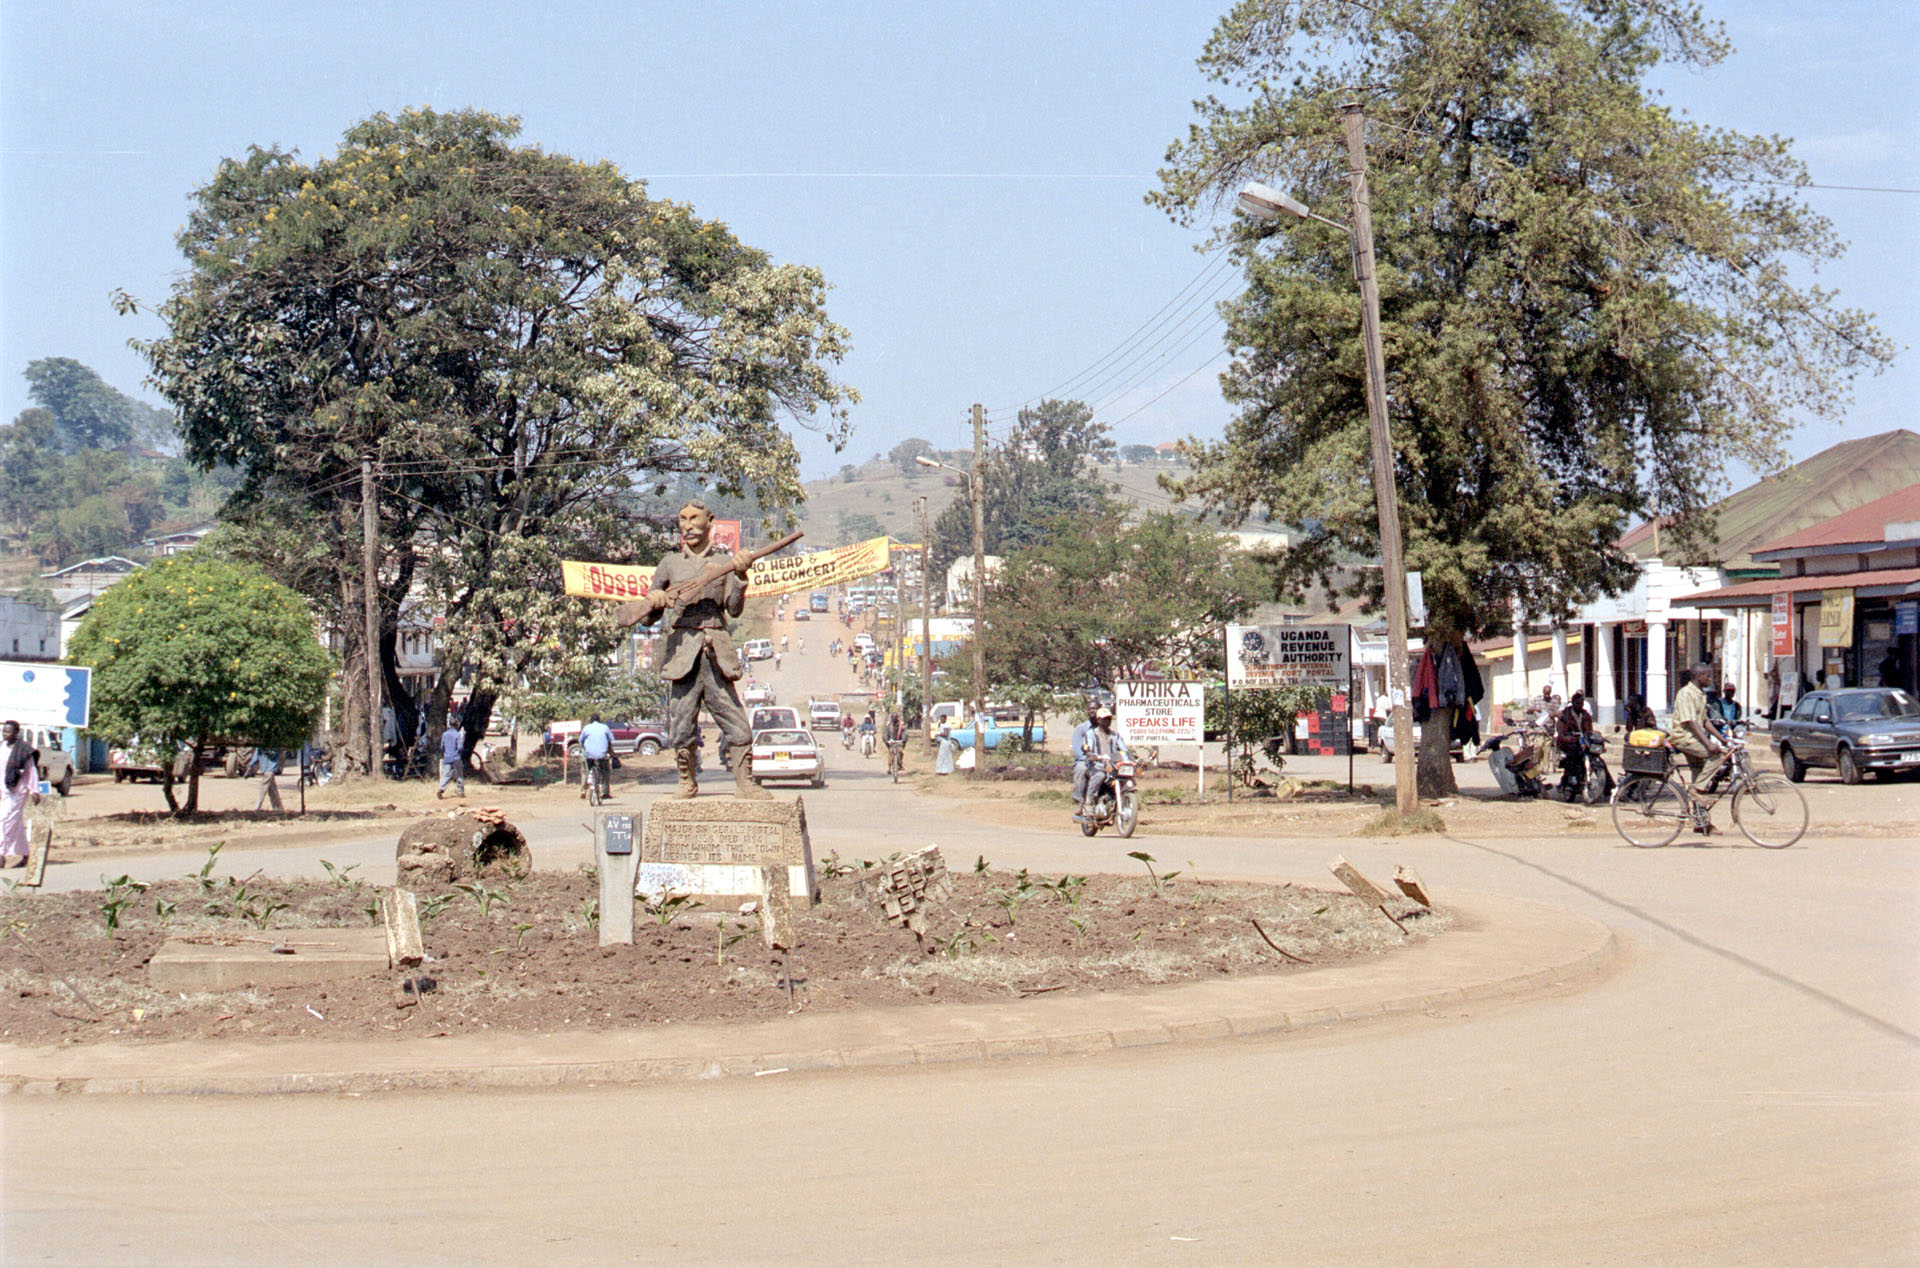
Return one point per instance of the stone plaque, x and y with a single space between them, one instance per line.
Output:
714 847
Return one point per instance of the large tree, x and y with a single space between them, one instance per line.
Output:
516 339
1589 301
1099 598
1039 472
192 650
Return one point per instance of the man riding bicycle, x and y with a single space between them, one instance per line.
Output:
1696 736
896 738
596 747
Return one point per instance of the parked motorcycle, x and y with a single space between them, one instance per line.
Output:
1117 803
1598 787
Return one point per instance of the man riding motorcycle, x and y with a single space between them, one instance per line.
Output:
867 732
1094 751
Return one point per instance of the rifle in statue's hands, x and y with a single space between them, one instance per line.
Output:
631 612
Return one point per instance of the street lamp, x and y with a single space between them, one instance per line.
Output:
1270 204
979 584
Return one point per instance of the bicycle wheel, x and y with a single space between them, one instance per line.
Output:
1650 810
1770 812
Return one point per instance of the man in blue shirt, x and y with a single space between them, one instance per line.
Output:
596 746
1079 750
453 765
1099 749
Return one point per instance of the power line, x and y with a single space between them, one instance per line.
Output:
1181 300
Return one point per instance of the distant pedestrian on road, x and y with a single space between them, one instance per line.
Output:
22 788
266 764
453 762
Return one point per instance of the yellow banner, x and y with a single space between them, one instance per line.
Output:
776 574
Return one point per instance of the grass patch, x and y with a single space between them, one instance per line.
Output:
1390 823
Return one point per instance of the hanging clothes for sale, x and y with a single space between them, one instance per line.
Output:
1451 686
1425 688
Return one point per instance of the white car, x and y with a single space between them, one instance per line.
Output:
776 718
823 715
758 693
863 642
788 754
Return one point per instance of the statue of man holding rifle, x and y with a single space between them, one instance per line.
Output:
699 589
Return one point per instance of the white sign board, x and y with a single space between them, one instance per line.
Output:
1289 655
38 694
1160 712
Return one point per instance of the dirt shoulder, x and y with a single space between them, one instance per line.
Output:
522 955
1311 798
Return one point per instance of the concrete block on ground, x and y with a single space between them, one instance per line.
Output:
317 955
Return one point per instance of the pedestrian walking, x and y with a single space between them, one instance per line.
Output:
266 764
453 762
21 789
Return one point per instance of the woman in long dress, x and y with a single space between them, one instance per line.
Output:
949 750
22 788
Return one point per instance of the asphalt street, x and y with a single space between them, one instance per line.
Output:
1744 1088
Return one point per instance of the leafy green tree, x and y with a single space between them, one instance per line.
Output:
519 339
903 454
87 413
30 467
1100 598
192 650
615 694
1037 475
1588 300
859 526
1139 453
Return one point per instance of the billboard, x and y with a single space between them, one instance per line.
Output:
1289 655
1782 626
776 574
1160 712
38 694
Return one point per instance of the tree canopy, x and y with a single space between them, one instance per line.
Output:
517 339
1592 306
191 650
1098 598
1035 475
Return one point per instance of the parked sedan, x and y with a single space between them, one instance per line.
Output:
788 754
1853 731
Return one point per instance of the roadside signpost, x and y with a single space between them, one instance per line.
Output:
1159 713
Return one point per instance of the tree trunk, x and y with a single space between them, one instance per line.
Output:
193 775
166 787
1435 771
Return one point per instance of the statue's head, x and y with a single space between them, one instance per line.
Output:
696 526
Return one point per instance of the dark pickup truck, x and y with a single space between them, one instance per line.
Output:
1854 731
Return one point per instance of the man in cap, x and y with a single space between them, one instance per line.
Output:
1101 746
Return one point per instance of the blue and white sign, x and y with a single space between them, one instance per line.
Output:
1906 617
34 694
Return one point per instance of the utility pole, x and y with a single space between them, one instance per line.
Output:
899 635
1392 562
926 622
370 593
975 492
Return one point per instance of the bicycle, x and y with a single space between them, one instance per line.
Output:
595 777
896 759
1650 809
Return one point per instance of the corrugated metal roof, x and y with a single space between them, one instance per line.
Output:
1752 593
1830 483
1862 525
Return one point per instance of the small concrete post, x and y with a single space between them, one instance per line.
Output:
776 907
614 858
400 912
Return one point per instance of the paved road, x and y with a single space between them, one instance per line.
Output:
1746 1089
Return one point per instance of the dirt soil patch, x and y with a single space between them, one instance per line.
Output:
523 954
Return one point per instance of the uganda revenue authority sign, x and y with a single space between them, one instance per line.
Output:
1289 655
1159 712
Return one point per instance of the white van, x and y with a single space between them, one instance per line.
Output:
823 715
759 649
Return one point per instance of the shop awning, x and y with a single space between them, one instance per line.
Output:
1873 583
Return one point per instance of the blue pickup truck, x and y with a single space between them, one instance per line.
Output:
993 733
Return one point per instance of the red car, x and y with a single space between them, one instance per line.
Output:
645 737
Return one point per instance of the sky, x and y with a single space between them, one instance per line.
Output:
969 178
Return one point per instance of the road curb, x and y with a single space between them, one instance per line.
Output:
1499 948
